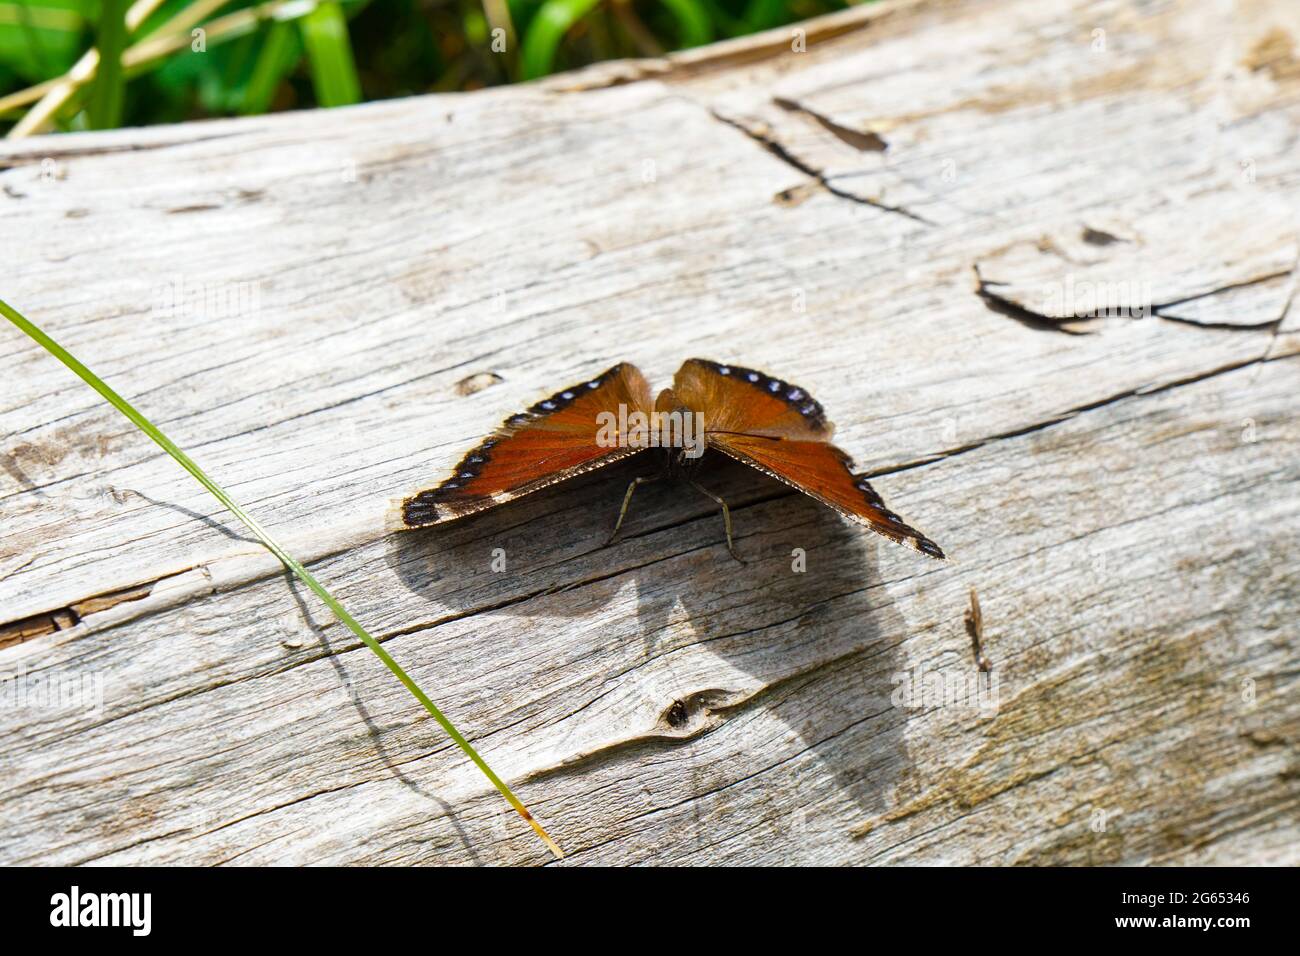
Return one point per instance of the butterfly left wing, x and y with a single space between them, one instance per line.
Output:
781 430
557 438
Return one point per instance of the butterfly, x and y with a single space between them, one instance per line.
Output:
755 418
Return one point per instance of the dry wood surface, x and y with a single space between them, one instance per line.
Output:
1036 259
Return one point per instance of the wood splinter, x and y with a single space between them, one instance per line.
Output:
975 628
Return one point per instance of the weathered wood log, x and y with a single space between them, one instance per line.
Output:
1037 260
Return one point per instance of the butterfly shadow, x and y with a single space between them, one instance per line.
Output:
679 641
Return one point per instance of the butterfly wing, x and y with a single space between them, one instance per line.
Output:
782 431
735 400
824 472
556 439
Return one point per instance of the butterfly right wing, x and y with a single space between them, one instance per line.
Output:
824 472
557 438
782 431
736 400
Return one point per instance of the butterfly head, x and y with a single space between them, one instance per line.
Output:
676 425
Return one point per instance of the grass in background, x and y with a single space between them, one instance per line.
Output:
333 72
108 91
176 60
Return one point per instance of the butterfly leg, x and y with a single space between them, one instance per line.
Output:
627 500
726 517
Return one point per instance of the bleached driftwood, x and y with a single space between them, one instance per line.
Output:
1037 260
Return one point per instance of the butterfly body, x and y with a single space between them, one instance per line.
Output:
769 424
680 465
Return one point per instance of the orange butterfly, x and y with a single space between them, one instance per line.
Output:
755 418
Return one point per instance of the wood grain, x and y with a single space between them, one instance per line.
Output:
914 220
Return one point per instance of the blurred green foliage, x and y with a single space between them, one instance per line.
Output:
189 59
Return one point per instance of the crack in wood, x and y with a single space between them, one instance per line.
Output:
778 150
61 148
863 142
68 617
1076 324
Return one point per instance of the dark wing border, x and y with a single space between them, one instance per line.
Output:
432 505
892 526
795 397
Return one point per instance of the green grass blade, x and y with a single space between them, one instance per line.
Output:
762 14
696 29
38 39
279 54
108 92
329 51
307 578
546 31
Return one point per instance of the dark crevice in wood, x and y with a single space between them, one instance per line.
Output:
783 154
61 619
987 292
756 698
867 142
1080 409
1032 320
